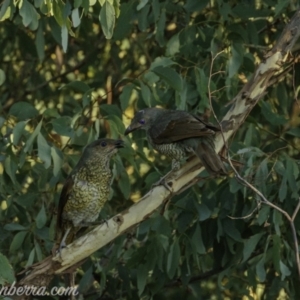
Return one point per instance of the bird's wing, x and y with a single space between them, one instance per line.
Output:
65 193
179 125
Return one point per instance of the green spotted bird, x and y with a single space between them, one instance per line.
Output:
86 190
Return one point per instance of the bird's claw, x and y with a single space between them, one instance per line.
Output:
163 182
58 250
103 221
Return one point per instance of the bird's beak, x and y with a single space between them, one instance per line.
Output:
131 128
119 144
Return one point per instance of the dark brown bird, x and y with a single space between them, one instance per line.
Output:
86 190
177 134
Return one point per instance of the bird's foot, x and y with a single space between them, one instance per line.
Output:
104 221
62 243
58 250
163 182
166 181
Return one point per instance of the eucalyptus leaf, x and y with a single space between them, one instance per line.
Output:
170 76
23 111
107 19
6 271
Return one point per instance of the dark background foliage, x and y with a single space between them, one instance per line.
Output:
74 71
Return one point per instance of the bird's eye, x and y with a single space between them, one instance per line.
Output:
142 121
103 144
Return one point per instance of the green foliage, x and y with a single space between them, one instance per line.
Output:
6 273
74 71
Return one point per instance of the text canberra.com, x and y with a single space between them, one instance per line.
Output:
37 290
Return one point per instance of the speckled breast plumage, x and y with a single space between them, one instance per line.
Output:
87 198
177 151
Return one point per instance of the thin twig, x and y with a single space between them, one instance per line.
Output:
247 216
250 186
296 211
220 89
209 91
267 202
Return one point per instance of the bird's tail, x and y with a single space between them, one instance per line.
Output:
210 159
